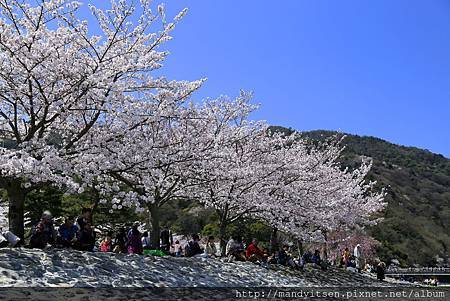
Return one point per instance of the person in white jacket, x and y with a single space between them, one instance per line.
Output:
229 245
7 238
358 257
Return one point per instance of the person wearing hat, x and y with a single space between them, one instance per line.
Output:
44 232
358 258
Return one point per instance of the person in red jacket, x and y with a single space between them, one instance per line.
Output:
253 253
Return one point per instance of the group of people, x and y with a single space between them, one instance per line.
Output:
357 262
236 250
78 234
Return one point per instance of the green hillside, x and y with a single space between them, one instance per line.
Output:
416 227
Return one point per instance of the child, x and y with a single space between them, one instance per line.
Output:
211 249
105 245
177 249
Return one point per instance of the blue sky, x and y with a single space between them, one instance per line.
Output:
366 67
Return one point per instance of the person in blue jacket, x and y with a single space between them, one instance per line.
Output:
68 232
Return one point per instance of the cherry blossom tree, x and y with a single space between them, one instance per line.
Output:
75 105
338 240
58 82
234 171
295 186
317 196
161 158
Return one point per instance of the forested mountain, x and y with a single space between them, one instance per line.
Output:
416 225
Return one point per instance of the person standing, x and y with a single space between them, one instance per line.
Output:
346 257
380 270
358 258
177 249
146 242
166 239
134 245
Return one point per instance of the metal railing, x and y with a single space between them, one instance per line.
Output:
424 271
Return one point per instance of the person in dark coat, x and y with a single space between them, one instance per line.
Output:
84 218
284 257
44 232
380 270
193 248
134 245
87 238
120 243
166 239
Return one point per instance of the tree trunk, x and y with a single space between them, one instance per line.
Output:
222 237
325 247
16 197
94 207
223 223
155 222
274 240
300 247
